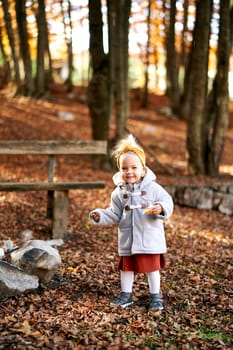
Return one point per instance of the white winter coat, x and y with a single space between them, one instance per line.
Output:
137 233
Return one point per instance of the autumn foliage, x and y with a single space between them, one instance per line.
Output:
73 311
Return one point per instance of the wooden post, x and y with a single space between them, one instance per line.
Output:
60 214
50 194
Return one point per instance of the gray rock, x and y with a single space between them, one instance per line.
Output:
179 196
66 115
226 206
26 235
191 196
38 258
38 262
196 197
8 245
223 188
205 198
230 189
2 253
217 198
14 281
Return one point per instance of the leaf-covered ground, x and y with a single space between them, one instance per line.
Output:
73 311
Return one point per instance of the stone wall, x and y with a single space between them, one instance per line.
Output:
213 197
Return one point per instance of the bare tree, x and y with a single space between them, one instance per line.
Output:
183 54
220 107
119 47
172 61
109 72
41 45
10 34
6 71
43 72
20 10
98 85
68 29
147 63
198 87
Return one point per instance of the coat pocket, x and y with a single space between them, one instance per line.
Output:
154 240
125 238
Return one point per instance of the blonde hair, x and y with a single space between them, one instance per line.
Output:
128 144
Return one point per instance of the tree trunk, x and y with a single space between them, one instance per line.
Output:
125 52
198 82
48 59
98 85
121 66
41 49
172 61
111 54
24 47
221 102
147 63
6 66
185 95
183 55
67 23
11 39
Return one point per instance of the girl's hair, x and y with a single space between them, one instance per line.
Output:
129 144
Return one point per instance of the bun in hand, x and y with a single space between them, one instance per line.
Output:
148 211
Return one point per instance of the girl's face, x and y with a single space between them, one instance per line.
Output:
131 168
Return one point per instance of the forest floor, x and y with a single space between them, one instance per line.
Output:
73 311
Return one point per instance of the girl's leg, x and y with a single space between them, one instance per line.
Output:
125 297
154 281
156 299
127 279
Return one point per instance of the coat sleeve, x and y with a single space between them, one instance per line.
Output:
110 215
165 200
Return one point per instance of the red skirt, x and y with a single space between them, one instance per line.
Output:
142 263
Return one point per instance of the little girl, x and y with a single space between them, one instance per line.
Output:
138 205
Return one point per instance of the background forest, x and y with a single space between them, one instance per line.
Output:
79 70
179 48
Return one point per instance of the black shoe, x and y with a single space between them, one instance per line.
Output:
156 302
124 299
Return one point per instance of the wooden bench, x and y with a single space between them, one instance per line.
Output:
58 192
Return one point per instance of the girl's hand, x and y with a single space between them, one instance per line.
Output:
95 216
156 209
